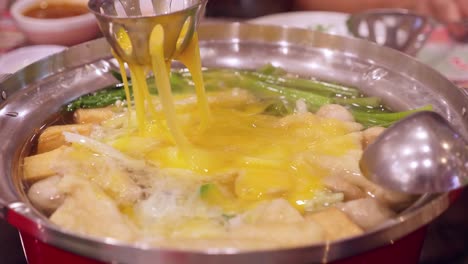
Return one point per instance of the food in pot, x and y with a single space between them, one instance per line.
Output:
276 167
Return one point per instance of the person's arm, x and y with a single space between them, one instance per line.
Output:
351 6
443 10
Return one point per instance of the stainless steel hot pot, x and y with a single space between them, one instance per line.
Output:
31 96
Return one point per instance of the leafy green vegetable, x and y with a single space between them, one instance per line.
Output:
101 98
271 70
211 193
118 76
227 217
271 83
114 93
307 84
279 107
385 119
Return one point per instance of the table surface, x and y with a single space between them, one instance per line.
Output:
447 239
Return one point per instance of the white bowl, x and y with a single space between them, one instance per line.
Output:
22 57
61 31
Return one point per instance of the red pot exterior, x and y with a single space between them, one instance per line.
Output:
37 252
406 250
403 251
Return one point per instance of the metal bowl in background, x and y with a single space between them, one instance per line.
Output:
395 28
38 92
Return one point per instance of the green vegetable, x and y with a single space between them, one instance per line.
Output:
118 76
213 194
114 93
326 95
227 217
385 119
271 70
205 189
98 99
279 107
314 101
307 85
360 102
271 83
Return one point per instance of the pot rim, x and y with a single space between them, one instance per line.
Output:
21 214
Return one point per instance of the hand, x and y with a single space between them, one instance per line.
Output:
445 11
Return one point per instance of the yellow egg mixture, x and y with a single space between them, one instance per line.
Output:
266 151
210 172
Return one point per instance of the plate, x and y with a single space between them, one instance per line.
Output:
329 22
22 57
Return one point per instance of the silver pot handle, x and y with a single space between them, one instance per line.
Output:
3 92
4 76
67 59
3 209
25 219
9 83
464 90
10 212
7 198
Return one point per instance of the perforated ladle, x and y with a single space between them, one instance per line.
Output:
419 154
395 28
127 25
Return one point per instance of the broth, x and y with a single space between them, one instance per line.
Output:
55 10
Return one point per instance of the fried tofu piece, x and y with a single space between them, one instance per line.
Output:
281 234
88 210
52 137
341 185
335 223
41 166
92 116
367 212
370 135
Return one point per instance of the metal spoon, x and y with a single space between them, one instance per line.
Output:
419 154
